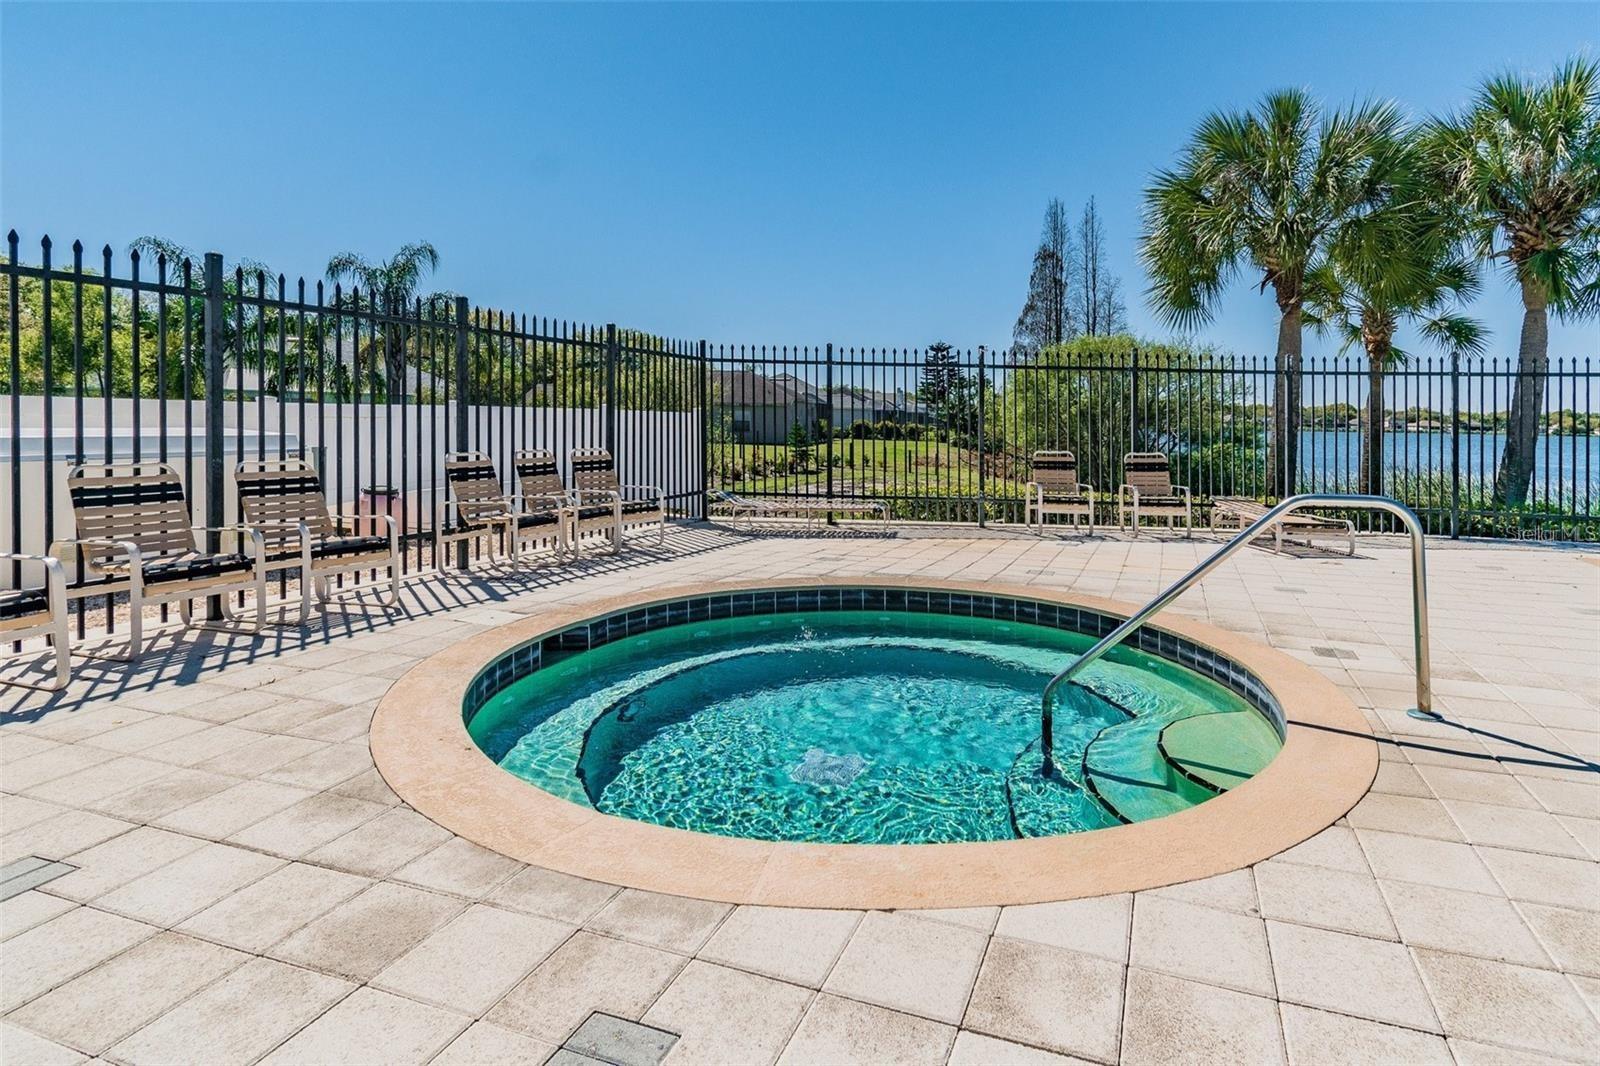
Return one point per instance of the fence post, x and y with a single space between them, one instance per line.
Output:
827 459
1455 445
983 482
463 403
705 434
216 437
1133 402
611 390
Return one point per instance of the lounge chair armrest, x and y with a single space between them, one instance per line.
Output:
126 547
599 494
1128 492
258 547
1183 490
1086 488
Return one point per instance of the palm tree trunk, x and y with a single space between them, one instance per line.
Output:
1371 473
1512 480
1286 404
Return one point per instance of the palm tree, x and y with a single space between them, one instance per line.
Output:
1523 164
390 286
1402 263
1263 191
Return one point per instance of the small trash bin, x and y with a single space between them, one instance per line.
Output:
384 499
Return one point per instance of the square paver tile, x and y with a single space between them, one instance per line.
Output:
295 831
1335 847
1551 879
141 983
676 923
553 895
1099 925
324 768
1419 816
1399 857
1332 899
360 936
398 1030
909 964
169 894
1571 937
382 845
844 1032
469 963
58 950
180 788
1514 827
797 945
60 835
1500 1003
1319 1038
1170 1020
460 867
588 973
1464 922
1202 943
225 813
237 1019
723 1015
261 914
1350 975
1048 997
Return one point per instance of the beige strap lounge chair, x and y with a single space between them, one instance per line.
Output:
1055 489
476 506
810 508
595 485
548 509
284 501
133 527
1241 511
38 612
1148 492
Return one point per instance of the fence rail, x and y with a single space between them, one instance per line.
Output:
118 358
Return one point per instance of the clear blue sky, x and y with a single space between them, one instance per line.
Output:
777 174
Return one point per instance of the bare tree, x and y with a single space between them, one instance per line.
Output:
1047 316
1100 309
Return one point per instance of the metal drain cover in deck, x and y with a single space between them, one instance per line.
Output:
615 1041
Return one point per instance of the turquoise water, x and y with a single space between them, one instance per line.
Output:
844 727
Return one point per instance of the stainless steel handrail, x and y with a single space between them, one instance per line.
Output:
1419 598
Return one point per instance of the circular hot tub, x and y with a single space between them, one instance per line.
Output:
870 744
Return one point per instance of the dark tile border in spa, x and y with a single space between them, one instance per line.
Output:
533 655
421 746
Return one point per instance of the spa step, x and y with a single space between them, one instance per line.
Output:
1126 771
1220 750
1043 806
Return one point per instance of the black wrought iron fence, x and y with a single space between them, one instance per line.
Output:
118 359
112 358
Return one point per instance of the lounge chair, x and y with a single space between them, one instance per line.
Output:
133 527
38 612
477 506
1148 492
1055 489
1242 510
548 509
595 485
809 508
284 501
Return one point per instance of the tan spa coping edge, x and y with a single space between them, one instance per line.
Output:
424 752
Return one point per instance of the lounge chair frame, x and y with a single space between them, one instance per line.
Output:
476 506
132 519
26 617
1055 489
595 484
549 510
285 501
1148 492
1241 510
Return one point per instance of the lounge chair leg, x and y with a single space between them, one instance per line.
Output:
261 602
61 641
136 622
